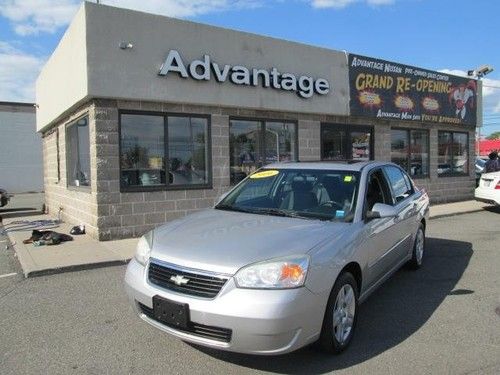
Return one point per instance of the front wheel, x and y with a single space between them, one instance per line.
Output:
418 249
341 315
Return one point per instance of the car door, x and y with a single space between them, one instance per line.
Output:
380 234
403 197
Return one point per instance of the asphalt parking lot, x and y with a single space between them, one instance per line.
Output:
444 318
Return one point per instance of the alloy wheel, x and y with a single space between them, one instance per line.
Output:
343 313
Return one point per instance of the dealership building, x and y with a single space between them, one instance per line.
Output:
147 118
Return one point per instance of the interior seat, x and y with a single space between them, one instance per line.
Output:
301 197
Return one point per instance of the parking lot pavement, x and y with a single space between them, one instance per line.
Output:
444 318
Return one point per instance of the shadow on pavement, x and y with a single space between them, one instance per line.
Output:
494 209
392 314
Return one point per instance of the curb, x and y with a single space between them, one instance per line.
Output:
75 268
456 213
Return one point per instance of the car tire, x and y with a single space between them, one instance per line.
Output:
4 201
418 251
336 334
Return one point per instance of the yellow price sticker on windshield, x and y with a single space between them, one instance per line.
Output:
347 178
265 174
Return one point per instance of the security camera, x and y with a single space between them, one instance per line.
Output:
484 69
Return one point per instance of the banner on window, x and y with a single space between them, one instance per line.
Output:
389 90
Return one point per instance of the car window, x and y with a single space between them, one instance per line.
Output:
377 190
399 185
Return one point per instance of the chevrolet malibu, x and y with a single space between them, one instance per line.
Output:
283 259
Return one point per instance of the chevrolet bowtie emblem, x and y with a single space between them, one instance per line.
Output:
179 280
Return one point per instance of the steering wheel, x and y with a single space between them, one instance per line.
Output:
332 204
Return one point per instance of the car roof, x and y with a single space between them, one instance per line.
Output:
347 165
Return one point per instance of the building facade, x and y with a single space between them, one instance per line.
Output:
142 125
21 164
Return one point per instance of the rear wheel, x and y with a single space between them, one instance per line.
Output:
418 249
341 315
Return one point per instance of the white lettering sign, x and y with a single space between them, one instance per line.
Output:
202 70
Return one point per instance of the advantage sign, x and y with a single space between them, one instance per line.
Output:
388 90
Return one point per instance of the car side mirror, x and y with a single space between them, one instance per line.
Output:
381 210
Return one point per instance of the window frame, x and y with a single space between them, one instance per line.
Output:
348 129
406 179
261 163
166 186
84 188
408 155
387 188
455 174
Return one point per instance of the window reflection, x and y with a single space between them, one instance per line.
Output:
145 148
142 150
187 152
453 153
256 143
343 142
410 150
78 153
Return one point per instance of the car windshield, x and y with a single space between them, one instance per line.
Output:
308 194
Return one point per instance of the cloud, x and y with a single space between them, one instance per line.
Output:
18 72
184 8
339 4
30 17
35 16
491 91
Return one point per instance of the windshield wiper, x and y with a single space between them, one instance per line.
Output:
228 207
285 213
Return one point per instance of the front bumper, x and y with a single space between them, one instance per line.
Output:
262 321
487 195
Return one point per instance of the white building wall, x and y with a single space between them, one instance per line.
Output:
21 164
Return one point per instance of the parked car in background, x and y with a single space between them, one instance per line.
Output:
488 190
4 197
284 258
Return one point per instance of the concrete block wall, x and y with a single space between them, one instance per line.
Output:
76 205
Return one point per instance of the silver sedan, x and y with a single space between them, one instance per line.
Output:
283 259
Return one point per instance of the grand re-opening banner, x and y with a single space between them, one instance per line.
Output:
387 90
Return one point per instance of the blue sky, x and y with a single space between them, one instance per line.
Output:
453 35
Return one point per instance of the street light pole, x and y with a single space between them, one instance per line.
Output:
479 73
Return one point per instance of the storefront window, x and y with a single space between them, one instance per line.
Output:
78 153
147 141
142 150
342 142
255 143
453 153
410 150
187 139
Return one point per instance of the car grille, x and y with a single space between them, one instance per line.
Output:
200 285
209 332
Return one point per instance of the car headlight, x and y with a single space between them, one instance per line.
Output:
143 250
282 273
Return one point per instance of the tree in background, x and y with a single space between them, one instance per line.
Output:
493 136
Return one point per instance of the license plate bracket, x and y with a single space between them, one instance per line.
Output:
171 313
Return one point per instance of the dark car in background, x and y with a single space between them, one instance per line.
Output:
4 197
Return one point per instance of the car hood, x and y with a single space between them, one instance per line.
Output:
224 241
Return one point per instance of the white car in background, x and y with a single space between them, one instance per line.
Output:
488 190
